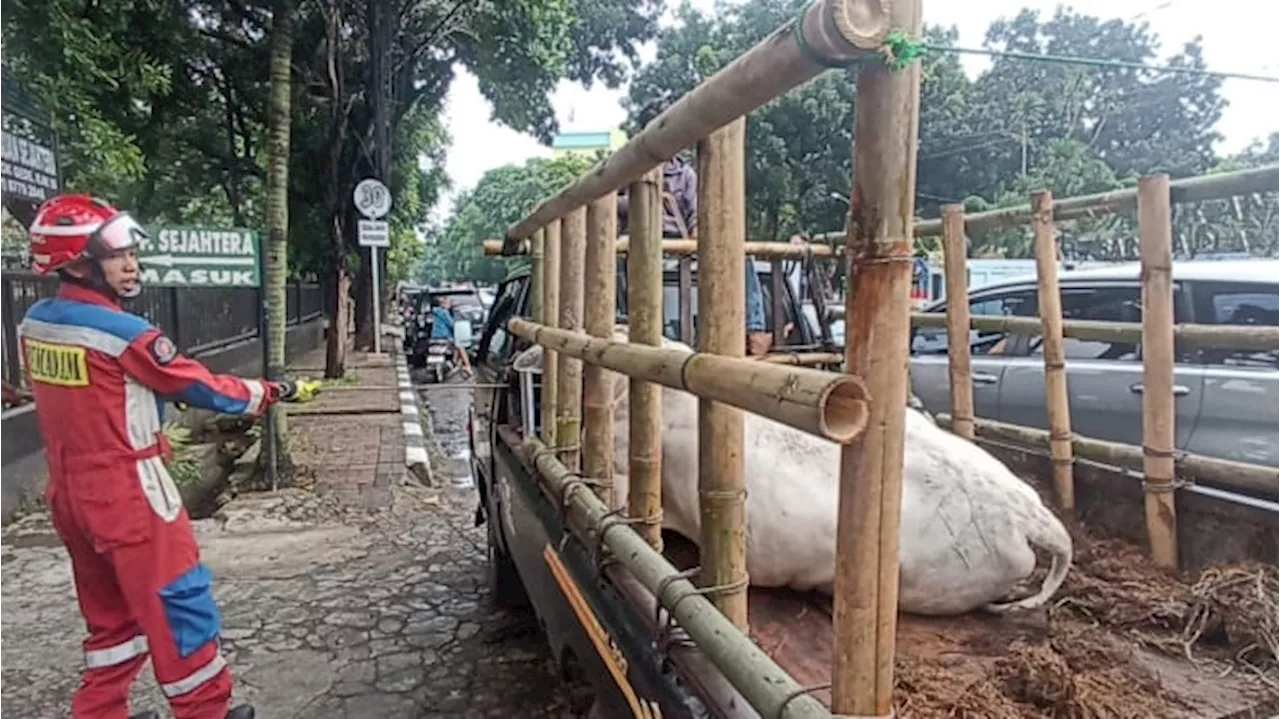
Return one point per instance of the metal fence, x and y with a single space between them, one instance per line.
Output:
197 319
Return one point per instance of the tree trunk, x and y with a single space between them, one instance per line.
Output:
278 211
336 305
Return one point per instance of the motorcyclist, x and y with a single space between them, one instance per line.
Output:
442 329
99 377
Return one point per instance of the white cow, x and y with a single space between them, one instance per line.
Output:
968 523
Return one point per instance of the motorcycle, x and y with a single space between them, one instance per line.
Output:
441 359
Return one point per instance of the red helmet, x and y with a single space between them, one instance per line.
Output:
69 228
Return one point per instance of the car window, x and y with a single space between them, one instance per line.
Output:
1011 303
497 341
1238 303
1110 304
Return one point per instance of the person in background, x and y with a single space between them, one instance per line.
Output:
442 329
680 221
100 376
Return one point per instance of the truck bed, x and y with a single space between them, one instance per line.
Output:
1056 662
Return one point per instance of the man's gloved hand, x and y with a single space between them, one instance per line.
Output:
299 390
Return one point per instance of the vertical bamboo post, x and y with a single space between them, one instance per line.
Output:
573 245
644 306
878 307
722 330
537 277
551 311
1155 233
956 275
1049 299
600 301
684 281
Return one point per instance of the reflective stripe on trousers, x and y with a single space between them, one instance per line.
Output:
119 654
193 680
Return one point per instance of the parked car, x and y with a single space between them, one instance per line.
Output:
1226 403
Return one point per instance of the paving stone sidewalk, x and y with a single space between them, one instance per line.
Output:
331 607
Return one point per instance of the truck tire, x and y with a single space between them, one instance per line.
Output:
506 590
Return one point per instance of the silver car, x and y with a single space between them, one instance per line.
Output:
1226 400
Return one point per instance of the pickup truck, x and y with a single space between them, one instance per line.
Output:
521 521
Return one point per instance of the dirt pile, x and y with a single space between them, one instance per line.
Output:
1093 657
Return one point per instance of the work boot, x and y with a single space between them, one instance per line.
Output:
244 711
148 714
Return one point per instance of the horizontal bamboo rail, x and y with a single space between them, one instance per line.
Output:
1240 476
833 30
1228 337
765 685
802 359
1187 189
825 404
755 248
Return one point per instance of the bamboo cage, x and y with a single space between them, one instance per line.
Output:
1161 465
764 249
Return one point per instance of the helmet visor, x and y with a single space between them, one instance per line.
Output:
121 232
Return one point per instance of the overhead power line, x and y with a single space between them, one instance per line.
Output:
1099 62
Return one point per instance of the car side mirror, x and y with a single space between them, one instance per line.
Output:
462 333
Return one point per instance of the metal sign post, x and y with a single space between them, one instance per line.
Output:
373 200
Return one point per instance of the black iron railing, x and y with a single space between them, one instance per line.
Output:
197 319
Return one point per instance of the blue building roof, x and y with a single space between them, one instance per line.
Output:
569 140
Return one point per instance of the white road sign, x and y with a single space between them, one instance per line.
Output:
372 198
374 233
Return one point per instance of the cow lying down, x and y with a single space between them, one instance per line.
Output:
968 523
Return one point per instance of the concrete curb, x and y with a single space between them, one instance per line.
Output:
415 448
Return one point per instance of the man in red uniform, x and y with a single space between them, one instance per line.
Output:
100 377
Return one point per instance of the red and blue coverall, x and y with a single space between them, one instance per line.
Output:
100 377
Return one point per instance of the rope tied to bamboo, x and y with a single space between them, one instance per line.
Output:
616 518
802 691
1160 486
897 52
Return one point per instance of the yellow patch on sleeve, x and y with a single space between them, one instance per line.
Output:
63 365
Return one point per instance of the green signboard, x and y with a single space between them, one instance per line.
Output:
200 257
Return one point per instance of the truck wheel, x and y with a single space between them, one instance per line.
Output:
506 590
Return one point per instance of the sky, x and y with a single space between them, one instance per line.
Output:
1230 45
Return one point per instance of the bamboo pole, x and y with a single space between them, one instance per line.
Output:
551 310
825 404
722 486
537 274
573 247
766 686
1049 297
1188 189
956 275
684 288
801 359
879 243
1254 479
1234 337
834 30
1155 232
644 309
600 305
763 249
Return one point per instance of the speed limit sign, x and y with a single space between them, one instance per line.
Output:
372 198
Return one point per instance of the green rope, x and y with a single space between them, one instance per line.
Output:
899 51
